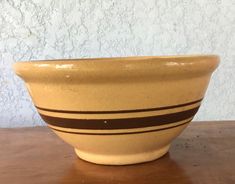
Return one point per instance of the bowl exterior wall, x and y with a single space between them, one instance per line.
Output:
124 119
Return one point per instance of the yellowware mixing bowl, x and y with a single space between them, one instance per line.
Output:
118 111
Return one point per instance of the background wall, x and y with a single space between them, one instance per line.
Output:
48 29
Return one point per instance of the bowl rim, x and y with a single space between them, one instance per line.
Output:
118 68
176 58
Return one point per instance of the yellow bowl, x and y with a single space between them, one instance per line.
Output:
118 111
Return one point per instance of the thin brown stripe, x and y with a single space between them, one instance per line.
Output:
122 133
124 123
119 111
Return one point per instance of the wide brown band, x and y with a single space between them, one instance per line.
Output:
122 133
123 123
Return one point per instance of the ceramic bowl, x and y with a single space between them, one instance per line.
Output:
118 111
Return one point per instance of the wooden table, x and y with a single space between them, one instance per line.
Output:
203 154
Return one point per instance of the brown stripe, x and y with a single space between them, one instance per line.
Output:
124 123
119 111
122 133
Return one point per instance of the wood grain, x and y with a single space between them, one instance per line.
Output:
203 154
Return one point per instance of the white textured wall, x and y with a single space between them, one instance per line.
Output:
46 29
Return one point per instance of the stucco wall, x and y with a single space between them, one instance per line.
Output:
46 29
